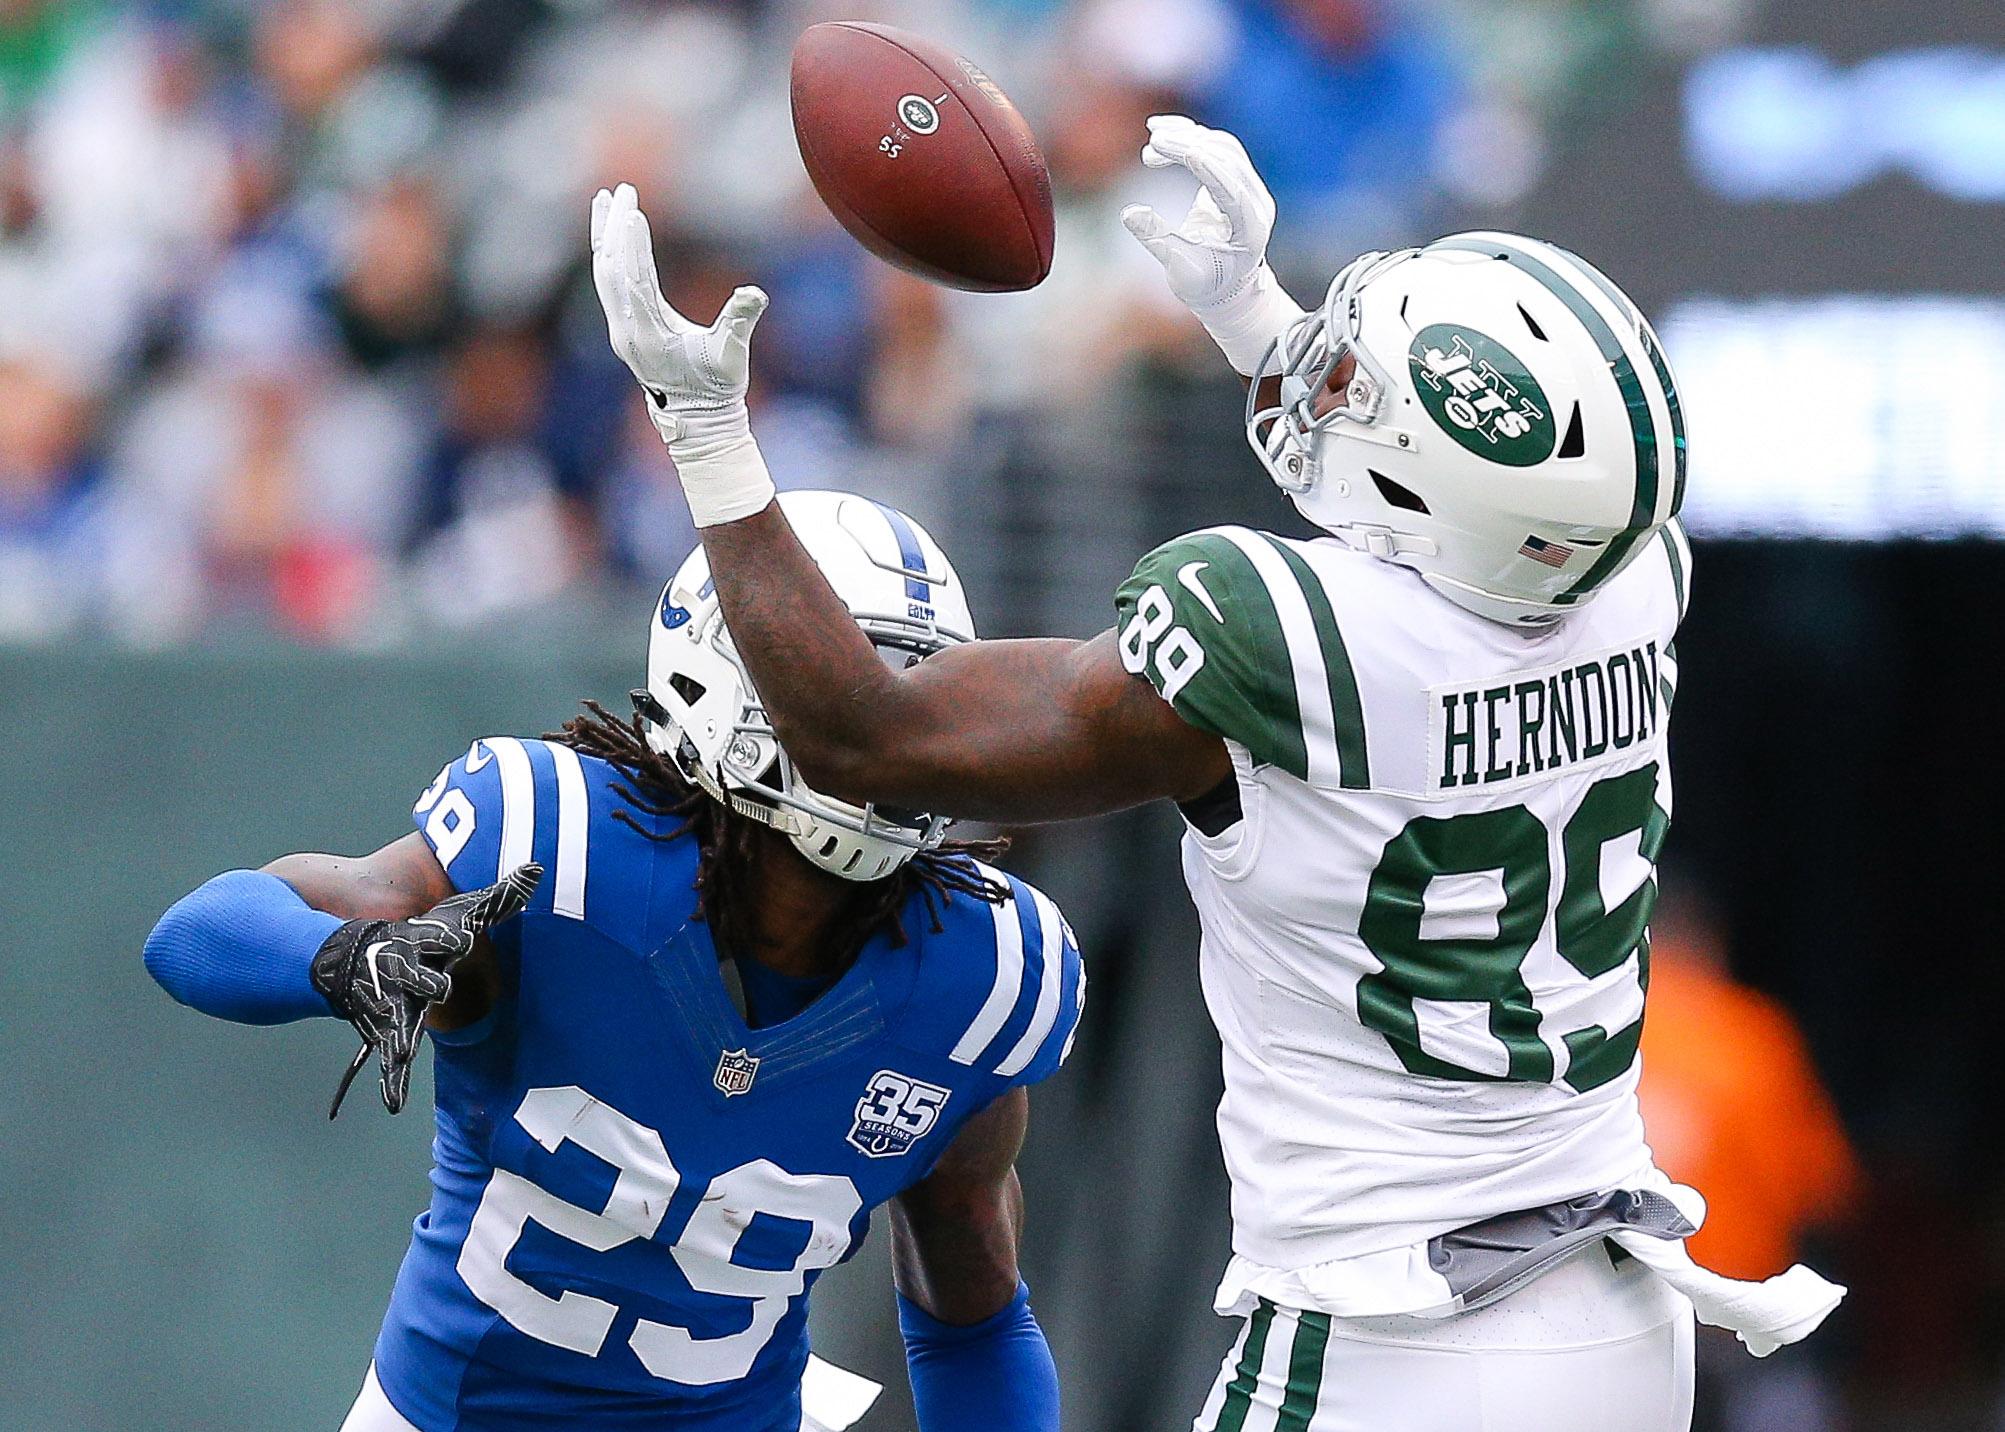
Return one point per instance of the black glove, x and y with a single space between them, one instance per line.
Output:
382 975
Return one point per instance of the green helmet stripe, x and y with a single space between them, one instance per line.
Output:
1347 712
1658 365
1642 424
1677 418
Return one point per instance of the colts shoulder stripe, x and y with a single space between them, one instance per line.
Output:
518 803
1045 1015
573 822
995 1010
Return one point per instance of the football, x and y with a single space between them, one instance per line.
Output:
922 157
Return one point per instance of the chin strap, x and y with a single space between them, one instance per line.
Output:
1384 542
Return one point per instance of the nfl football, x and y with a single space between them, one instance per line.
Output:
922 157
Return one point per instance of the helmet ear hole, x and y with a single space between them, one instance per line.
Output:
687 687
1398 496
1574 444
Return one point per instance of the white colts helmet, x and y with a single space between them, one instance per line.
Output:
701 712
1511 431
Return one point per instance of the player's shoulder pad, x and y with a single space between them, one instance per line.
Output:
1232 627
508 801
1001 987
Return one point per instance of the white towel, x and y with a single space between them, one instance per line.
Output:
1765 1315
833 1399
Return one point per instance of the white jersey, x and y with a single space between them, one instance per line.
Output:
1425 936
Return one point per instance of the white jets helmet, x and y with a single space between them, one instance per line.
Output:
1510 431
701 712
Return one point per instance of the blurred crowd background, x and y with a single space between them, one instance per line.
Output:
314 464
295 332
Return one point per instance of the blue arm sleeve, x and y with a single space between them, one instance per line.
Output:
240 948
996 1376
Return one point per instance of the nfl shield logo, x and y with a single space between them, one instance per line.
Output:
736 1068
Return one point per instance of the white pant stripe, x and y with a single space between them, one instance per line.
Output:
1273 1384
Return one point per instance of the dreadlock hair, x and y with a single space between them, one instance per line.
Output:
725 843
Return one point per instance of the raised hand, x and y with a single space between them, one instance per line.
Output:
1214 253
1216 259
686 369
695 377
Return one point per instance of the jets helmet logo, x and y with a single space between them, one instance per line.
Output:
895 1112
736 1069
1482 395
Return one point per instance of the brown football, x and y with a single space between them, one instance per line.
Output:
922 157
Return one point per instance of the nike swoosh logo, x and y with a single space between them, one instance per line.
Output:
1187 579
478 756
375 979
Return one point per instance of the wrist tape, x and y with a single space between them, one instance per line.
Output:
722 470
1245 325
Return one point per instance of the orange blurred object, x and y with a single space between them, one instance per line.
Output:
1733 1106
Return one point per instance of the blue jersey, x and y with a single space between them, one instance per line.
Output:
633 1190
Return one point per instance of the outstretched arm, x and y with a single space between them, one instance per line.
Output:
994 730
402 879
978 1360
372 939
1004 731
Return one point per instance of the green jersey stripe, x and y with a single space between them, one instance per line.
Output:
1305 1373
1346 707
1271 728
1243 688
1642 424
1239 1394
1304 652
1672 549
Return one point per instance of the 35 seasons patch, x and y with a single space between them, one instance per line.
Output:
1481 395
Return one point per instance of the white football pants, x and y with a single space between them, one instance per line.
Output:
372 1412
1586 1348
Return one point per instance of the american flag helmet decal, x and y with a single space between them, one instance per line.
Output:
1553 554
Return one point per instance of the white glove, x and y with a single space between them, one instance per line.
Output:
1216 259
695 378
